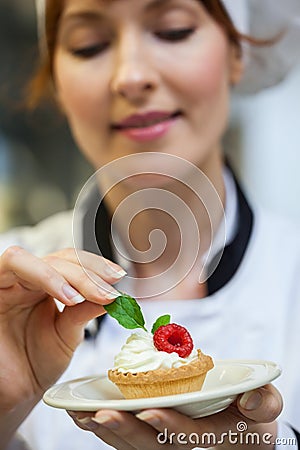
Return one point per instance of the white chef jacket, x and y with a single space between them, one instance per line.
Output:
254 315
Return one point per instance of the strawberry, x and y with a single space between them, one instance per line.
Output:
173 338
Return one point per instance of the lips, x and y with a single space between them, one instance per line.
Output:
139 121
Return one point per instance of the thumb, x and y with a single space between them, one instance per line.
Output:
262 405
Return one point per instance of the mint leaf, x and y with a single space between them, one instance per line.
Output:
162 320
127 312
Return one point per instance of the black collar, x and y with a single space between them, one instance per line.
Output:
233 252
96 239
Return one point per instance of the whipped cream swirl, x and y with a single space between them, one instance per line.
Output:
140 355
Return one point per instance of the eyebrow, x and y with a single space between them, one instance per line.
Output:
88 15
93 15
160 4
157 4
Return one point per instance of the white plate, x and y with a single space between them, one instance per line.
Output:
222 385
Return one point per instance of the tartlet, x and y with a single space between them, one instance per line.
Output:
163 362
161 382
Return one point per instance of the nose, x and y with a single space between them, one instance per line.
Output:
134 76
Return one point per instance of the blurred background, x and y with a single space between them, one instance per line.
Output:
41 171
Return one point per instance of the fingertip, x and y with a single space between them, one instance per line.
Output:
261 405
115 272
72 295
251 400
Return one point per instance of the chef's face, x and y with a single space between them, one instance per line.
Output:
136 76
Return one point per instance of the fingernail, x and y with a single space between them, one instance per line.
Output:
148 417
78 299
88 423
115 273
251 400
109 295
107 422
72 294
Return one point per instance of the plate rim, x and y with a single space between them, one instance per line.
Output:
273 371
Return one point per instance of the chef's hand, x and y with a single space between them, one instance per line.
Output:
38 341
165 428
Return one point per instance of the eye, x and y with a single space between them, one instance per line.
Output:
175 35
90 51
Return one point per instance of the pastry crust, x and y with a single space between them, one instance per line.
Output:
160 382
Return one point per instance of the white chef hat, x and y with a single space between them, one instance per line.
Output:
265 65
